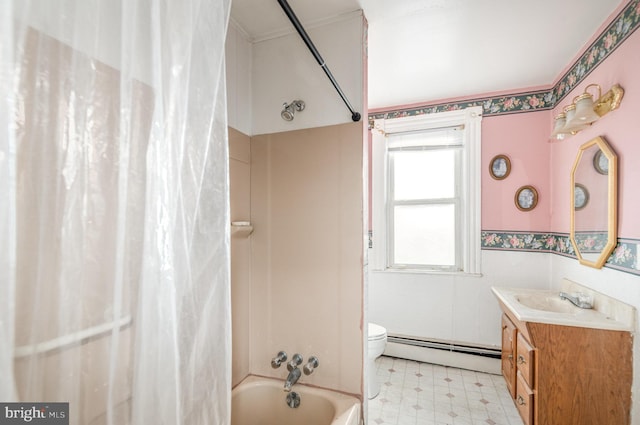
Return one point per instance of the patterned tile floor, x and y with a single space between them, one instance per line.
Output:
414 393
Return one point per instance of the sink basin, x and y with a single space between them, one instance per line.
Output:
546 306
547 302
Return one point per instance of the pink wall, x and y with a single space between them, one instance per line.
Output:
546 165
620 128
524 139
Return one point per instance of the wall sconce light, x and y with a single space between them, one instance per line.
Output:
558 126
583 111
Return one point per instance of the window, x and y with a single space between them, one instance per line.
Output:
426 192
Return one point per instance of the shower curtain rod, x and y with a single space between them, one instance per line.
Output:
355 116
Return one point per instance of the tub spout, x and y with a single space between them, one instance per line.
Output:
293 377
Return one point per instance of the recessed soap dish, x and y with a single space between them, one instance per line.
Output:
241 228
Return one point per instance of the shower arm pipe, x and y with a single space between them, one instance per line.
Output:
355 116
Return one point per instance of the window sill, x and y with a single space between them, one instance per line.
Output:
425 272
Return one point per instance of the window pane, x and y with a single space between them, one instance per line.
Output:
425 235
424 174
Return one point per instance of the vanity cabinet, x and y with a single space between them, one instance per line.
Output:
559 374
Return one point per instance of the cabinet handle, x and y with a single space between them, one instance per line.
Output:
521 359
521 401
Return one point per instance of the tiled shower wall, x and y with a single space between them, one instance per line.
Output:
307 252
239 182
297 280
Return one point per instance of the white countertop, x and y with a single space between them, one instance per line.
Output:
607 313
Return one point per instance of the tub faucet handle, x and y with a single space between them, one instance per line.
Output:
278 359
296 360
312 363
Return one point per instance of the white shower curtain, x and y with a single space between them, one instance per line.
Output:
114 209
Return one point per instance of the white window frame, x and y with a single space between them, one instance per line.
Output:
471 119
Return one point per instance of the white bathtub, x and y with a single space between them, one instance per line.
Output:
262 401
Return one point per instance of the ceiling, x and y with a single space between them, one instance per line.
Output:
426 50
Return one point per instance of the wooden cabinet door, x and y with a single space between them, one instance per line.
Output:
509 332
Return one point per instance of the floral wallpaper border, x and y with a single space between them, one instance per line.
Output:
627 21
591 241
623 258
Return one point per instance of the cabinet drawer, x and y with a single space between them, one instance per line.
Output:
525 358
524 400
508 354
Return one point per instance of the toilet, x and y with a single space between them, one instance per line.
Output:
377 340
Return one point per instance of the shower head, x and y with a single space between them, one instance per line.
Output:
290 109
287 112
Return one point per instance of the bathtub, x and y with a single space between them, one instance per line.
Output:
262 401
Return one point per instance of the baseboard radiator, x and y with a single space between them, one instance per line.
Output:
465 356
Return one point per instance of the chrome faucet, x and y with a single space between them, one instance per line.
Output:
293 377
294 372
578 299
